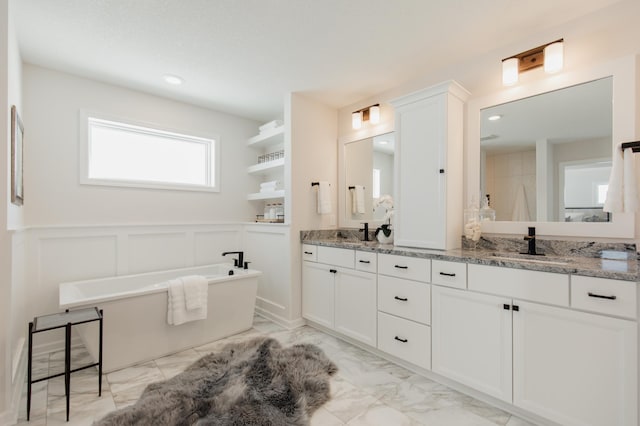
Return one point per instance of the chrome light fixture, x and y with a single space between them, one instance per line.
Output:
550 55
370 114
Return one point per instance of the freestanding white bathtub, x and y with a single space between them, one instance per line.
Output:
135 312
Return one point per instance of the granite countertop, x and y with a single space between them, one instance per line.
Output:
615 261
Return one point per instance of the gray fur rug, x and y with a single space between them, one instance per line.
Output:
255 382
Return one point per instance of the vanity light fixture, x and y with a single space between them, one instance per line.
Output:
494 117
551 55
173 79
370 113
356 119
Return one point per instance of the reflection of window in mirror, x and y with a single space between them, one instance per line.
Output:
585 190
376 183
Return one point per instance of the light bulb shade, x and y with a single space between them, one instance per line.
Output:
510 71
356 120
374 114
553 57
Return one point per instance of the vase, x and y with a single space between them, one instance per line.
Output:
383 239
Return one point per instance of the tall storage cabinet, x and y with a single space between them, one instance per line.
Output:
429 176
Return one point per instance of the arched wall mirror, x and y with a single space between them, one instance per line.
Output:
366 173
545 158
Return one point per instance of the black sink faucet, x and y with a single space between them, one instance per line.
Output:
239 262
366 231
531 240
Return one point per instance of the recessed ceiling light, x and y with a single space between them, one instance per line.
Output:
495 117
173 79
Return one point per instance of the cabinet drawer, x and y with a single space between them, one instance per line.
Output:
412 268
545 287
450 274
613 297
366 261
405 339
336 256
404 298
309 253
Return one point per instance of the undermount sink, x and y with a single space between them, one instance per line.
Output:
530 258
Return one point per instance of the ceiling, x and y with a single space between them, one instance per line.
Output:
578 113
242 56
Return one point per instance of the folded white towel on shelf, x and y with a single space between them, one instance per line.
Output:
177 312
272 183
622 193
520 207
271 125
357 199
324 198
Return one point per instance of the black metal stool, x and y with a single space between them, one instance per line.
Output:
66 319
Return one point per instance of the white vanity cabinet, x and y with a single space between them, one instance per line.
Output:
404 308
336 295
471 341
575 368
572 367
428 180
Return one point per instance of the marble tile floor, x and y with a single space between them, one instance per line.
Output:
367 390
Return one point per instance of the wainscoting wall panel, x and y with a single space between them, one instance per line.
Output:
62 254
268 248
156 251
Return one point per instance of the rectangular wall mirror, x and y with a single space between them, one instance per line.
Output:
547 157
367 167
546 160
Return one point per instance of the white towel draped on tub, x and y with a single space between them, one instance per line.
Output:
357 199
187 299
622 194
324 198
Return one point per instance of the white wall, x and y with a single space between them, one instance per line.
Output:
314 157
13 291
590 40
52 101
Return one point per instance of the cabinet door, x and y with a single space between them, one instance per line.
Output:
575 368
355 305
471 339
420 190
318 293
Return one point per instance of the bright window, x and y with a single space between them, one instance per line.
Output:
376 183
125 154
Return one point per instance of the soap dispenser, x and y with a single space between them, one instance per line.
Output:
486 212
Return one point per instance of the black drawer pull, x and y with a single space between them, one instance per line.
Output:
308 252
401 267
447 275
402 299
333 271
401 340
364 261
506 306
515 308
599 296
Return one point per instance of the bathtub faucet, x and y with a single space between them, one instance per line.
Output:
239 262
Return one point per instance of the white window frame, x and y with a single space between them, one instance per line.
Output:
212 141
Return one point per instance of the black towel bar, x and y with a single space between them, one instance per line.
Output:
633 145
353 187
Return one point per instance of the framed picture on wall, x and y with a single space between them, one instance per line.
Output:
17 150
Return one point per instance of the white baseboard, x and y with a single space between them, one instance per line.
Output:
10 415
288 324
